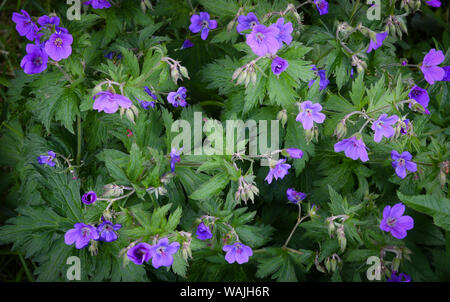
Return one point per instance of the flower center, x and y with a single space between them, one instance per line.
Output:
308 112
260 37
401 161
108 227
58 42
391 221
205 24
85 232
238 249
253 23
37 61
162 251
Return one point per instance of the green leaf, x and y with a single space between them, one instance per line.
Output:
211 187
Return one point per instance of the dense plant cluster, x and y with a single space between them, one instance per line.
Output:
358 104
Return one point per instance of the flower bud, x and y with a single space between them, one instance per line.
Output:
328 264
341 237
253 77
236 73
309 135
112 190
242 77
107 215
130 115
331 228
174 73
231 25
341 130
184 72
373 36
333 264
282 116
93 248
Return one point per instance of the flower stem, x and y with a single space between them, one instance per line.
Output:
299 220
79 139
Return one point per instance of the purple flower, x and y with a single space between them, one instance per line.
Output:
98 4
110 55
25 26
295 196
285 31
280 170
140 253
162 252
59 47
107 230
433 3
263 40
420 96
394 222
35 61
109 102
150 93
294 152
203 232
405 127
447 74
354 148
399 278
146 104
429 67
89 197
202 23
322 76
178 98
309 114
382 127
246 22
174 158
351 72
187 44
380 38
81 234
238 252
47 159
279 65
402 162
48 21
322 6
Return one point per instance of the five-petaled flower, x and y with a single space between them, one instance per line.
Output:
402 162
58 46
323 81
421 96
107 230
89 197
238 252
25 26
203 232
246 22
285 31
294 196
47 159
109 102
380 38
394 221
429 67
353 148
35 61
279 170
383 127
140 253
309 114
279 65
263 40
81 235
322 6
177 98
202 23
162 252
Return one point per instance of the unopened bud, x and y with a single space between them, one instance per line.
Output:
231 25
328 264
242 77
184 72
174 73
341 130
309 135
333 264
282 116
93 248
331 228
130 115
112 190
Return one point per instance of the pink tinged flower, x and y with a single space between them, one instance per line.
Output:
294 196
98 4
380 38
433 3
429 67
58 46
399 278
263 40
383 127
353 148
246 22
285 34
25 26
394 221
35 61
294 152
279 65
421 96
109 102
402 162
89 197
47 159
203 232
178 98
81 235
162 252
140 253
202 23
280 170
238 252
322 6
309 114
